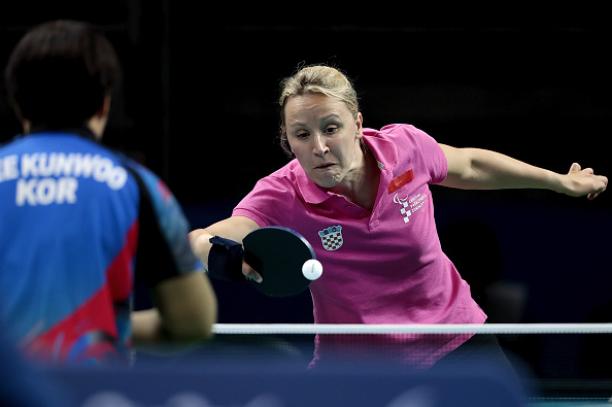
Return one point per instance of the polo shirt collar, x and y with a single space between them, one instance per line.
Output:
311 192
383 150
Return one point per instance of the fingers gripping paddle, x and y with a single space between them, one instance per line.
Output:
284 258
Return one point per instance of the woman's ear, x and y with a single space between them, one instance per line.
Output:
359 124
284 143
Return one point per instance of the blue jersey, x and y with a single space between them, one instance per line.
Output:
78 224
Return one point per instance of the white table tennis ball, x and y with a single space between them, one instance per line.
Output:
312 269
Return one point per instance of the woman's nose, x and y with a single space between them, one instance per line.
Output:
319 145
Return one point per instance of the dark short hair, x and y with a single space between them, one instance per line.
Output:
59 73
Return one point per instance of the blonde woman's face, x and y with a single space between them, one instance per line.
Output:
324 137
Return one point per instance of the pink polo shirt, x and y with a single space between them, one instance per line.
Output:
384 266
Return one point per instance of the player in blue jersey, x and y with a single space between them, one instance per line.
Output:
80 223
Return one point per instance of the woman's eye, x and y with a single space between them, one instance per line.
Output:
331 129
301 135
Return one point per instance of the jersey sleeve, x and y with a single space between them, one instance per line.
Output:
163 246
423 148
432 155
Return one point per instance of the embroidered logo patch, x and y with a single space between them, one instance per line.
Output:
405 210
409 206
331 238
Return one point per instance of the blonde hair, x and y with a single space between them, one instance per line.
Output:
319 79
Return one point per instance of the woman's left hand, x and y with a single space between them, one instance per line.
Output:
580 182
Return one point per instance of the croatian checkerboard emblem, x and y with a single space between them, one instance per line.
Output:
331 238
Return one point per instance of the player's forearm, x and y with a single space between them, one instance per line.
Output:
186 311
188 307
491 170
200 244
234 228
146 326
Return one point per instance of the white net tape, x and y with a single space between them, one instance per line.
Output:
360 329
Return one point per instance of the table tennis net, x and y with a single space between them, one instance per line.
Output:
558 359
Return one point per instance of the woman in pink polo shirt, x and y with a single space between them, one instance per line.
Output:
361 197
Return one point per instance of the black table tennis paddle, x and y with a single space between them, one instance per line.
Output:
278 254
